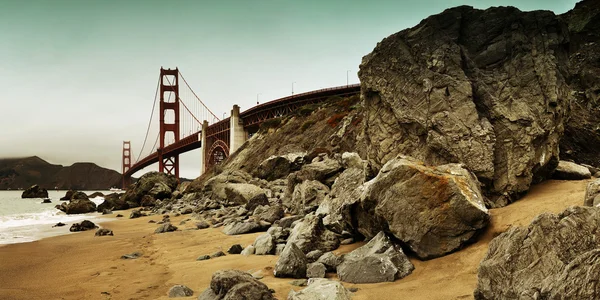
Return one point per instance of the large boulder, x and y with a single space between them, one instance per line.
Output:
34 191
157 184
234 284
113 201
307 196
310 234
269 213
592 193
377 261
345 193
571 171
321 289
276 167
485 88
291 263
540 261
77 206
433 210
240 193
235 228
83 226
79 196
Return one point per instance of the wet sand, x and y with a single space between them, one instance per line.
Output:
82 266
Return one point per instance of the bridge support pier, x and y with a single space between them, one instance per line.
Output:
204 146
237 134
126 163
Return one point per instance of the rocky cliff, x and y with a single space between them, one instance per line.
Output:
16 173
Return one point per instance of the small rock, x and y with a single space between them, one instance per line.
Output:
353 289
83 226
248 250
279 248
180 291
347 241
119 215
263 244
331 261
107 211
135 214
217 254
312 256
132 255
59 224
203 257
321 289
103 232
315 270
299 282
202 225
235 249
291 263
151 221
167 227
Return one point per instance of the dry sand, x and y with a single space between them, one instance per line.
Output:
81 266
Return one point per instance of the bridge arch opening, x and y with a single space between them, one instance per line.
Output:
219 151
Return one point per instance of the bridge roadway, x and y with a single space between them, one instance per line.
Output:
250 117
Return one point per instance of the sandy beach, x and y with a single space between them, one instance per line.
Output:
82 266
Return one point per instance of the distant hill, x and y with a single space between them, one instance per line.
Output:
18 173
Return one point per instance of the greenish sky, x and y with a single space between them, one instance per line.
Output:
78 77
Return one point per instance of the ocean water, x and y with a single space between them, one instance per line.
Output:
27 220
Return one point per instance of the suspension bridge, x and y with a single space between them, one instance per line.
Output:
182 122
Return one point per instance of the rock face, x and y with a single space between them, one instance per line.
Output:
434 210
592 193
156 184
321 289
377 261
481 87
571 171
34 191
291 263
555 257
234 284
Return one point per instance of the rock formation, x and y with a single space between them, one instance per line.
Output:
34 191
234 284
485 88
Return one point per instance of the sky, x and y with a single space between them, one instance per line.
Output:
79 77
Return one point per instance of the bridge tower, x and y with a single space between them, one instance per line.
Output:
169 86
126 163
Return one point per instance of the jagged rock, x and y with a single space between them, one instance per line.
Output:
147 201
235 249
441 208
241 228
321 289
331 261
278 233
315 270
276 167
527 262
107 212
83 226
291 263
352 160
234 284
345 193
240 193
68 195
34 191
571 171
258 200
310 234
287 222
103 232
180 291
249 250
113 202
78 206
592 193
270 213
166 227
263 244
157 184
377 261
307 196
458 88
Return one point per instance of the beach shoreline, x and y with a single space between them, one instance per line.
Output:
83 266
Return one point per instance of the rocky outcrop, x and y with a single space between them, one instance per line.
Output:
439 210
571 171
276 167
34 191
485 88
156 184
592 193
77 206
291 263
113 201
321 289
234 284
79 196
310 234
83 226
377 261
555 257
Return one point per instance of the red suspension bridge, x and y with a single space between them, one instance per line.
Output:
182 122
